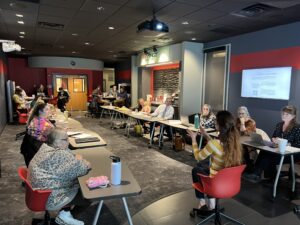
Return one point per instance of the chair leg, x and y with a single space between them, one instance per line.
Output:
231 219
217 216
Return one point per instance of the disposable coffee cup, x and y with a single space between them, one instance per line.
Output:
282 143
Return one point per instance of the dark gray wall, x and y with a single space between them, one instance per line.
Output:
144 79
3 75
265 112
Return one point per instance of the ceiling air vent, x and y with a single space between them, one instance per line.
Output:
52 26
32 1
254 10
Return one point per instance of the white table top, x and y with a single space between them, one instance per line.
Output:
101 165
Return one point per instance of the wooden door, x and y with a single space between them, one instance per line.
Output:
76 85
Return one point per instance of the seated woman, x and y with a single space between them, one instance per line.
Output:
19 101
207 119
56 168
146 108
140 105
288 129
244 123
38 128
224 152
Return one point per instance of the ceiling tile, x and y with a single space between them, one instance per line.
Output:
203 15
18 6
177 9
71 4
56 11
201 3
91 6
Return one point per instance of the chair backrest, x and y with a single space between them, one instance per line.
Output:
35 199
225 184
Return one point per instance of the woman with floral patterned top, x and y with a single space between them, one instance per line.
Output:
38 129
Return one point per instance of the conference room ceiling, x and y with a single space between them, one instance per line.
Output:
80 28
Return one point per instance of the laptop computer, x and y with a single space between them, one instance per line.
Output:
256 139
185 121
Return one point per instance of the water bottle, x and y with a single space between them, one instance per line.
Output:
196 121
116 172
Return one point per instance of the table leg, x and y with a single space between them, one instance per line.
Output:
277 176
98 212
293 173
152 134
161 136
127 211
101 113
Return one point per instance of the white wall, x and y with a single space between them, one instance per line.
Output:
191 78
64 62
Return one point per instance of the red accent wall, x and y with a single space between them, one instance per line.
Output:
28 78
272 58
163 67
95 78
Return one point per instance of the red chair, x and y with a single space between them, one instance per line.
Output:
22 117
35 199
226 184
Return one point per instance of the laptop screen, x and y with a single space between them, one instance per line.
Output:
184 120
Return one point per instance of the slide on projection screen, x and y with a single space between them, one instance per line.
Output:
269 83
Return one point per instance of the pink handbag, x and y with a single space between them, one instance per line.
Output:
94 182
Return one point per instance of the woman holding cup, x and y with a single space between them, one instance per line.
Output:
287 132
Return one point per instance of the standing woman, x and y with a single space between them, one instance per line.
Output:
288 129
223 152
62 99
38 128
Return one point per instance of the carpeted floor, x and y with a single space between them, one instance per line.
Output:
159 172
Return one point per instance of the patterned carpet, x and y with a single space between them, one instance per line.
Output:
159 172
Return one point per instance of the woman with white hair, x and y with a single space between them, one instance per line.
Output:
56 168
244 123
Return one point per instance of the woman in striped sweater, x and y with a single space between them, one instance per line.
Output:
223 152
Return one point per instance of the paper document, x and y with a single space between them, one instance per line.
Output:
72 133
82 135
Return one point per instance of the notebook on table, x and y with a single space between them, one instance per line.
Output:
86 140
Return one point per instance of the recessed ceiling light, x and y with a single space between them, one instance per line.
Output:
74 34
21 36
100 8
74 52
185 23
111 28
20 22
22 32
19 15
87 43
194 39
110 51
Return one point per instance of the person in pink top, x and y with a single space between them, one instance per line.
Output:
38 129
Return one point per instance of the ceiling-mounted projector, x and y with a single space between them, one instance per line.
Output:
153 25
9 46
